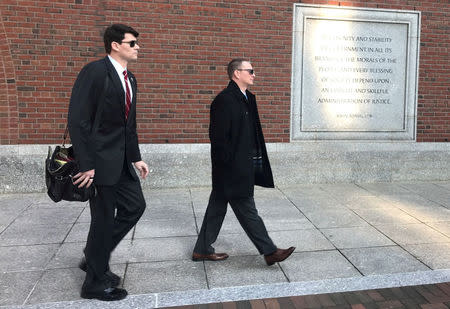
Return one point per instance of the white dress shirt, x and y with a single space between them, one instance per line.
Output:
120 70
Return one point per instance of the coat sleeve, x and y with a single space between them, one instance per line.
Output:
82 109
220 129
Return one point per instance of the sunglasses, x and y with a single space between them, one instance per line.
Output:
250 71
132 43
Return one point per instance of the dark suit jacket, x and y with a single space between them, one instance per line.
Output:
232 139
115 139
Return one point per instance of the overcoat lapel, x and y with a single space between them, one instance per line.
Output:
117 84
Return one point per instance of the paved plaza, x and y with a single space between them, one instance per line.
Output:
349 237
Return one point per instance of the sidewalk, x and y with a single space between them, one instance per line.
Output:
349 237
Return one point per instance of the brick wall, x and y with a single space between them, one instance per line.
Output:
185 46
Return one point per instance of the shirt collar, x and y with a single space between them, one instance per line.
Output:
117 66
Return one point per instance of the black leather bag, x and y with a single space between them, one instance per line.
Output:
60 167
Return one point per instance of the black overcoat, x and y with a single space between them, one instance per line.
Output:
106 148
230 133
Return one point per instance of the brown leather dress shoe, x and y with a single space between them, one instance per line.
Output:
210 257
278 256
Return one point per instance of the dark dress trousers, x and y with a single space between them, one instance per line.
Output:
110 149
236 137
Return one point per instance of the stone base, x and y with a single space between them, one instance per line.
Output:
179 165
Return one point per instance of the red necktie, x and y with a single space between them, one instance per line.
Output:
128 98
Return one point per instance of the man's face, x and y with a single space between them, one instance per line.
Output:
128 50
244 75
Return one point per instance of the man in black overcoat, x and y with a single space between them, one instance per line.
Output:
239 161
102 126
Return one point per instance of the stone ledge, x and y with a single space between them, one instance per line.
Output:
178 165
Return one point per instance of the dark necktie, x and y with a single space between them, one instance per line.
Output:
128 93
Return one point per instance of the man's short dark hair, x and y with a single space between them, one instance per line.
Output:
234 65
116 33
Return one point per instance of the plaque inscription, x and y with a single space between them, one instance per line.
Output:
353 76
354 73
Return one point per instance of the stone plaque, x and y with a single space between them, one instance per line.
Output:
354 73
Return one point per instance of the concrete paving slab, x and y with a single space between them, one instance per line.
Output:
329 218
261 192
167 212
283 211
274 205
230 223
411 234
442 227
345 191
298 222
277 221
384 188
63 284
311 203
85 216
16 286
385 216
427 242
7 217
39 198
435 256
369 202
43 201
200 198
443 184
303 240
407 201
427 213
235 244
58 285
442 200
356 237
167 196
14 203
80 231
242 270
318 265
166 228
50 216
26 258
164 276
161 249
70 254
302 190
200 206
67 256
30 234
425 189
383 260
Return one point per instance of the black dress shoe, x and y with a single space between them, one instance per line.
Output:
115 279
109 294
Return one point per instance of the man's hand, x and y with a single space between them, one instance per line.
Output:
84 179
142 168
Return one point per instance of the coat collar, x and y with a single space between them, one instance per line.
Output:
237 91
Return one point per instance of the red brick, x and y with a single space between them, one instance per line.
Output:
182 62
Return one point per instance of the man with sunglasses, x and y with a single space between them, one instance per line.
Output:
102 126
239 161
